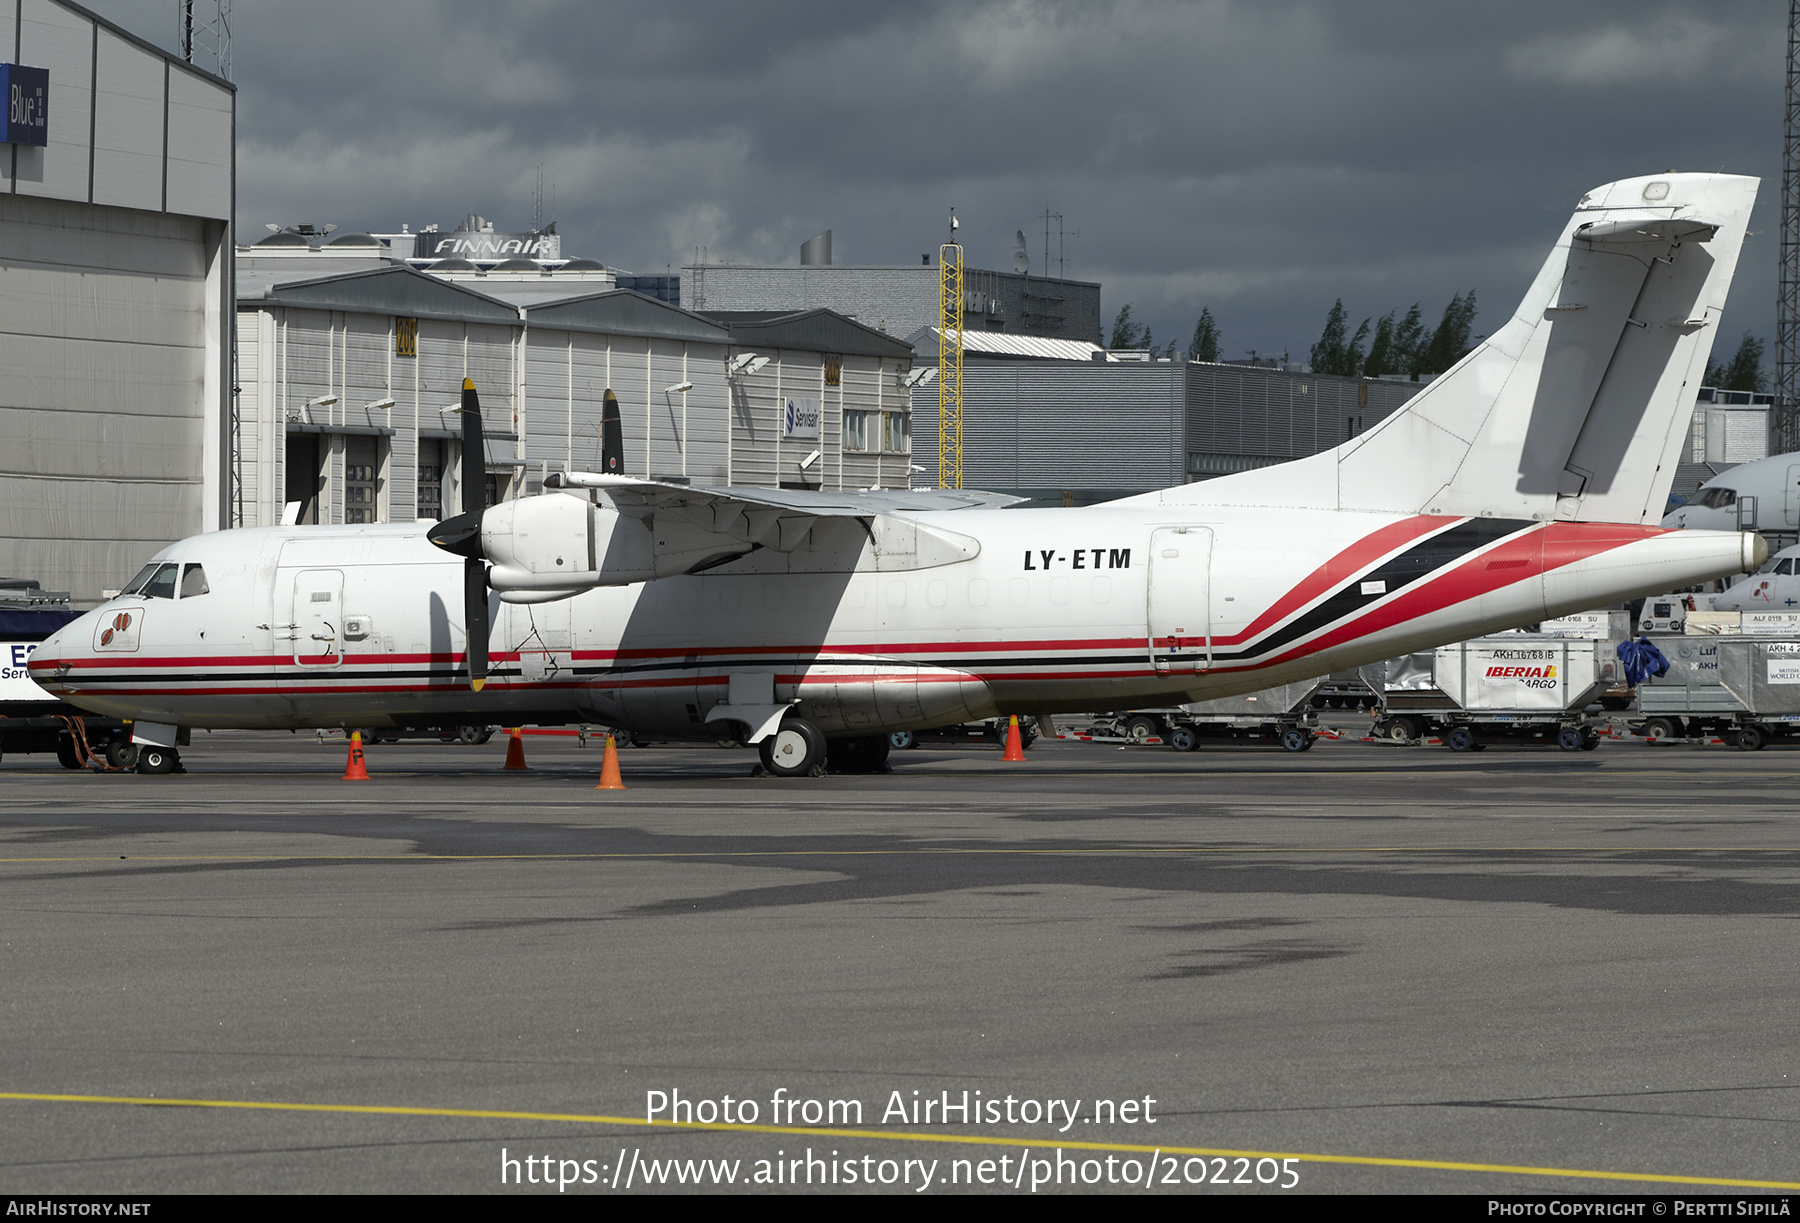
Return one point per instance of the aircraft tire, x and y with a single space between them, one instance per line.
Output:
122 754
903 739
1183 739
157 760
795 749
857 754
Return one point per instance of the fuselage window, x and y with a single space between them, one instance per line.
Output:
193 582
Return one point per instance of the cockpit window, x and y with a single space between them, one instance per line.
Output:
193 582
155 581
1715 498
1786 566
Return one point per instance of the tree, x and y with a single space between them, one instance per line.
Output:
1743 372
1205 346
1334 353
1127 334
1409 343
1382 357
1449 342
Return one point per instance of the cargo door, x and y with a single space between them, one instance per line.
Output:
316 601
1180 599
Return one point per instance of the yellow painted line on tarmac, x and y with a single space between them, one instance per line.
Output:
927 852
1048 1143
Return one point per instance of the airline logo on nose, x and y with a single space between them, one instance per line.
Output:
119 633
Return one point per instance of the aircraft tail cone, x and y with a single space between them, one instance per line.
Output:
355 769
1015 746
515 751
609 768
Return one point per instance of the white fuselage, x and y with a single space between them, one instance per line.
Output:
992 611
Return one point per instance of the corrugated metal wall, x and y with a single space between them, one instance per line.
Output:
1240 417
102 355
113 380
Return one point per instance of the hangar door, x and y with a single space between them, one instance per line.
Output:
1180 596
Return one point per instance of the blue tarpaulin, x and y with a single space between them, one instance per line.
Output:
1642 660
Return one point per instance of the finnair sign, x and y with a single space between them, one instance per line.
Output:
485 244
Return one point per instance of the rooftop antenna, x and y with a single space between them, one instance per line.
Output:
537 202
1786 432
205 37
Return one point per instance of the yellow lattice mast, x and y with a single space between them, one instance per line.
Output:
950 362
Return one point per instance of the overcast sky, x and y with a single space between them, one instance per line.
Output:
1259 158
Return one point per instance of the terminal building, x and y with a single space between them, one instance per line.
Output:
116 197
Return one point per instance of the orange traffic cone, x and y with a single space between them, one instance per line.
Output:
515 750
355 770
1015 747
609 768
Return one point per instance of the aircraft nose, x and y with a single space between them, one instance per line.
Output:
46 659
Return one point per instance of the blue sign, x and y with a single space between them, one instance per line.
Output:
27 94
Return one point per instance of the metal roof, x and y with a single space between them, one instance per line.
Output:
1003 344
393 289
808 331
626 312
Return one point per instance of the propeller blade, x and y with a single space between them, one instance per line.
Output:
475 620
612 436
474 453
462 535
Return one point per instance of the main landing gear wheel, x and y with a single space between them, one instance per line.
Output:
122 754
1183 739
857 754
152 759
794 750
903 739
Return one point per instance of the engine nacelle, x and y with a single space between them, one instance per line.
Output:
556 545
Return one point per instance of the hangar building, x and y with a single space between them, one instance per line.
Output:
116 191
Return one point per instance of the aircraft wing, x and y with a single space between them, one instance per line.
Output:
641 530
628 493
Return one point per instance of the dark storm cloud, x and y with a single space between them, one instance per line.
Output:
1262 159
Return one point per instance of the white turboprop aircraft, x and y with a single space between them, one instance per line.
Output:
1526 482
1763 494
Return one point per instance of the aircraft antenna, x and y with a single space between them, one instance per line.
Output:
950 359
1787 309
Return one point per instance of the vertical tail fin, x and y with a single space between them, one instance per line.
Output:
1577 408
